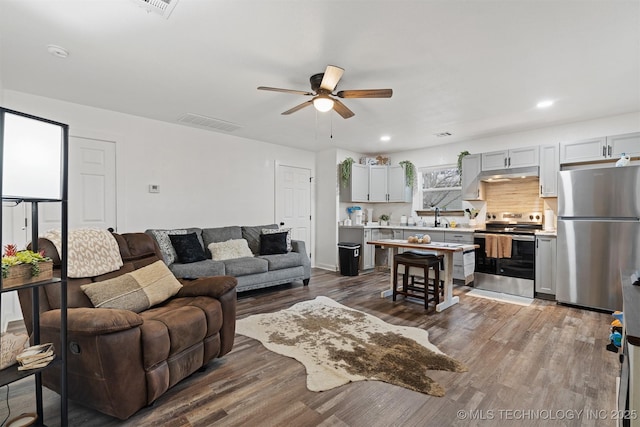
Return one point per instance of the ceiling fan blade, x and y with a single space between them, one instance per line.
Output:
298 107
342 109
365 93
295 92
332 76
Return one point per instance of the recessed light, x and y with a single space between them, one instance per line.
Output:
385 138
57 51
544 104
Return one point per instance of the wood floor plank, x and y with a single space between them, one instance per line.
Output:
541 357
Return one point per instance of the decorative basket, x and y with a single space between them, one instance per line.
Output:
21 274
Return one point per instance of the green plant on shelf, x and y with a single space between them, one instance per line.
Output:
345 171
12 256
409 171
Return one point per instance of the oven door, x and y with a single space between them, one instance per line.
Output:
521 264
484 264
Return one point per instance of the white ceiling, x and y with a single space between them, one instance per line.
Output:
471 68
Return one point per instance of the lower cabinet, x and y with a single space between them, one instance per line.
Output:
545 282
461 258
368 259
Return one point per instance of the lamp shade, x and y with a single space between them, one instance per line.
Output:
31 158
323 103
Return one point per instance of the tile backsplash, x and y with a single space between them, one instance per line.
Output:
519 195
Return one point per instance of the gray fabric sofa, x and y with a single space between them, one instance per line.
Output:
251 272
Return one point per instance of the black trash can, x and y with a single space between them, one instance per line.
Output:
349 258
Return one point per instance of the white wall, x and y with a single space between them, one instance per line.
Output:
206 178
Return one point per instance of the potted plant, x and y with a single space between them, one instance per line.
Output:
409 172
23 267
345 171
384 219
473 213
460 157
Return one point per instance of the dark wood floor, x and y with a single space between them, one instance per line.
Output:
528 366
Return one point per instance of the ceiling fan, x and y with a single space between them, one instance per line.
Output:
323 85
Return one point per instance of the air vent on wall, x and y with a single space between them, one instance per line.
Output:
161 7
208 122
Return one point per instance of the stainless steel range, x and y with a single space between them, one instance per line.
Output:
505 261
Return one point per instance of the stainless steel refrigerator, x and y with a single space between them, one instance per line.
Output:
598 234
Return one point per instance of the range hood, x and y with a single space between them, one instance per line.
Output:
499 175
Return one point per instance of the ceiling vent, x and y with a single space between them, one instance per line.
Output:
442 134
208 122
161 7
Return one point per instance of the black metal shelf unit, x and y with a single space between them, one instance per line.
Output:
11 374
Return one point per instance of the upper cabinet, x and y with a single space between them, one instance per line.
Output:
376 183
505 159
397 188
602 148
628 143
472 187
549 167
357 189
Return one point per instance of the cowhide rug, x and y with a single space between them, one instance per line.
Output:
337 344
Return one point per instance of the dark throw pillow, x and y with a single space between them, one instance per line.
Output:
272 244
187 247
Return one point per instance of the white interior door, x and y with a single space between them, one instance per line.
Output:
293 202
92 187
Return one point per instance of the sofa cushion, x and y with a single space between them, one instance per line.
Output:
221 234
162 237
187 247
135 291
280 230
279 262
235 248
243 266
193 270
274 243
252 236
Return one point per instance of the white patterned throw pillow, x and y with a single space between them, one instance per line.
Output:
168 252
231 249
280 230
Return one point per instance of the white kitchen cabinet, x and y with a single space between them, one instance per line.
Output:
507 159
376 183
549 167
472 187
368 251
545 279
585 150
397 188
628 143
357 189
602 148
451 236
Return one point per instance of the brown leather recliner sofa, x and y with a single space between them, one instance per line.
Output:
120 361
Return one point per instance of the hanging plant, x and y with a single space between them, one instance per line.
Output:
409 172
345 171
460 157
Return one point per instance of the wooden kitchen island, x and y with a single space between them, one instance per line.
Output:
439 248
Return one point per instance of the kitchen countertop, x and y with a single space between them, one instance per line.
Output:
457 229
413 227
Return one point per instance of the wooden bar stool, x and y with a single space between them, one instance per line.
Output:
430 289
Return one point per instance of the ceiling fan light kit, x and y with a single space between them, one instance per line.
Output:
323 103
323 85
